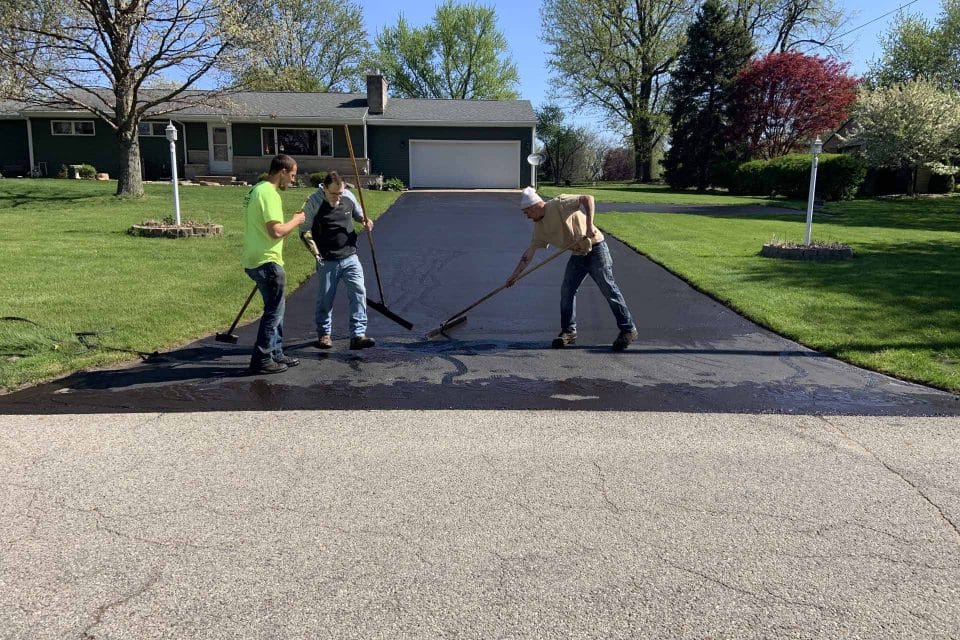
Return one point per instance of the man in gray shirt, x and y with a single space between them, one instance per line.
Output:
331 237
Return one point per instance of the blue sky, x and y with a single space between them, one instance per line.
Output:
519 20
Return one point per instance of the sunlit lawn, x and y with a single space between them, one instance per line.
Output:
894 308
70 267
657 194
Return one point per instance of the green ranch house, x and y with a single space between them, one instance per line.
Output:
425 143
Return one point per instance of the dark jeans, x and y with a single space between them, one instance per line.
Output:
598 265
271 279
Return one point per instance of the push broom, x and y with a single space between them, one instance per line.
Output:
460 317
380 307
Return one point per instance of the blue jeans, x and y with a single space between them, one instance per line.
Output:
598 265
329 275
271 279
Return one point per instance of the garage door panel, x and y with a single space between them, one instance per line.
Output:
465 164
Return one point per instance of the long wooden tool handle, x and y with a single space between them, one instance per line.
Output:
504 286
373 251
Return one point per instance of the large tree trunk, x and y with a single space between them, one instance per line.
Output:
643 136
130 180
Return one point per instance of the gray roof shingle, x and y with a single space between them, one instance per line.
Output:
453 111
339 106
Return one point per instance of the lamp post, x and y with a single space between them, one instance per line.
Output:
535 160
172 137
815 148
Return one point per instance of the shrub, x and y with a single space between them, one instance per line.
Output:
393 184
838 176
316 178
263 176
940 183
87 171
751 179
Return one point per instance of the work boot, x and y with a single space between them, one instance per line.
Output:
324 342
257 368
565 338
287 360
624 339
361 342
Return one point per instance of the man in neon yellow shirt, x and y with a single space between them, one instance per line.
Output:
264 231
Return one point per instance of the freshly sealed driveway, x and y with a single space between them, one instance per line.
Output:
439 252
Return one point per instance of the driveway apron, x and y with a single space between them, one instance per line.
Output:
439 252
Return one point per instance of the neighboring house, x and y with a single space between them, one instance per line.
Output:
878 181
14 142
425 143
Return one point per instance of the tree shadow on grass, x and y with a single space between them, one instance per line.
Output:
922 214
14 200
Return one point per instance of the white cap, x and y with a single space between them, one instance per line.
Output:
529 198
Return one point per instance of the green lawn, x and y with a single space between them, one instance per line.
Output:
894 308
657 194
71 267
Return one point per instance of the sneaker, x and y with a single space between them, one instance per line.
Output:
324 342
287 360
624 339
270 367
361 342
565 338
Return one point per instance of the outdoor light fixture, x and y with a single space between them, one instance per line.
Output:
535 160
172 137
815 148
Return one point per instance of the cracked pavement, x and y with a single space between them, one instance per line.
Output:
478 524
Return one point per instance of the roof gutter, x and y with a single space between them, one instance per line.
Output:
452 123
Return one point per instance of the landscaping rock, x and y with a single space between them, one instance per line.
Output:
804 252
103 176
153 229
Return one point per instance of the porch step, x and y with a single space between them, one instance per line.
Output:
217 179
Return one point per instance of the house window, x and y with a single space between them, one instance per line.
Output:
297 142
152 129
72 127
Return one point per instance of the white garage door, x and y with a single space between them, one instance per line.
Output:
465 164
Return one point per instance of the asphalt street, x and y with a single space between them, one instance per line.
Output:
439 252
478 524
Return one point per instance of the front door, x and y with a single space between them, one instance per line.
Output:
221 148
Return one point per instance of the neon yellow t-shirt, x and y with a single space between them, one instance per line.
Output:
263 205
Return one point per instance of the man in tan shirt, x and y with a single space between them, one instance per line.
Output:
566 222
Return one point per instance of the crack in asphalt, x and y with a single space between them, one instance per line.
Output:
603 489
151 581
862 556
799 372
101 524
746 592
819 530
943 516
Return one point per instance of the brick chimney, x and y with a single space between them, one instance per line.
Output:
376 93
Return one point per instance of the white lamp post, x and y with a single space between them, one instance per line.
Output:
535 159
815 148
172 137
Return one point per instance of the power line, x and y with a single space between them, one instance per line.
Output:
901 7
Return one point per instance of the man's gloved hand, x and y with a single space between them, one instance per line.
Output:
584 245
307 239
